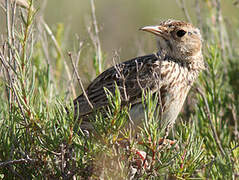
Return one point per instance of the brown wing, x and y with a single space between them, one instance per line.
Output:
131 77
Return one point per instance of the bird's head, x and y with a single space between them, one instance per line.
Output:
179 39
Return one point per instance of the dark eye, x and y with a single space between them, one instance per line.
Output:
181 33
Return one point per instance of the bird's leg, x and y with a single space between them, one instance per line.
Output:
167 130
167 142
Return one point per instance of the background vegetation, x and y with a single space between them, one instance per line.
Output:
48 47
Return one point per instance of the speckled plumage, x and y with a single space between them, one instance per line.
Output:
171 72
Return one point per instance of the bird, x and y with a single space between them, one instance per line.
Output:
170 72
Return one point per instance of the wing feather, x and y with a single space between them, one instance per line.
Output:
131 77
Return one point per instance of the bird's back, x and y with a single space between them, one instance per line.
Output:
131 77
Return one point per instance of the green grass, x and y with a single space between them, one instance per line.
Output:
39 139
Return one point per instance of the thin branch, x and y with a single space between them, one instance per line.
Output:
12 86
79 80
7 6
9 41
219 20
234 117
13 19
235 147
198 13
58 48
77 58
42 145
137 76
96 39
181 4
120 75
210 120
79 51
19 161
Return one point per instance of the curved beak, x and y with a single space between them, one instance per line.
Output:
157 30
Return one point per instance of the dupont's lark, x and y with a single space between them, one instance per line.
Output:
170 72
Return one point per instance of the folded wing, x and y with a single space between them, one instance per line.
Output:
131 77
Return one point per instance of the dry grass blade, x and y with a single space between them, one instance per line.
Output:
181 4
79 80
50 33
95 37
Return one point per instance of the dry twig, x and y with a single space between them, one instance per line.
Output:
58 48
95 37
18 161
181 4
79 80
